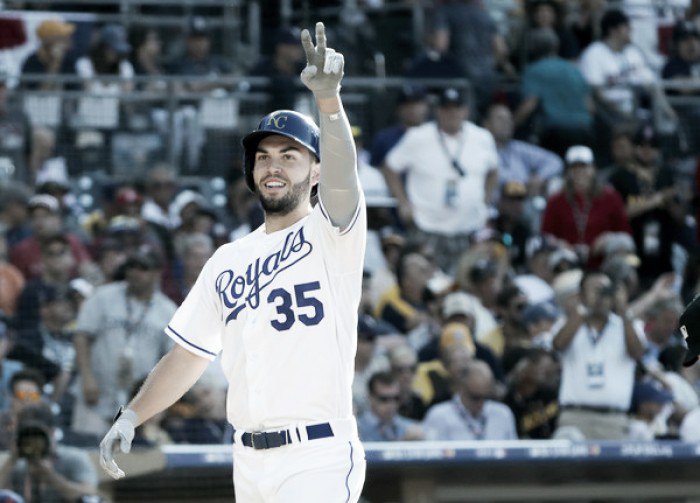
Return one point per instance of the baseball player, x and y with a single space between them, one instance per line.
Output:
280 305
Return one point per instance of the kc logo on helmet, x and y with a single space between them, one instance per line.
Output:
280 121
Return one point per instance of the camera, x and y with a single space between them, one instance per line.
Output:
33 441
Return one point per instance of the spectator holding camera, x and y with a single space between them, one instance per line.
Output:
41 469
599 349
25 388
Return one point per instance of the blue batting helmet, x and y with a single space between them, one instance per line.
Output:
294 125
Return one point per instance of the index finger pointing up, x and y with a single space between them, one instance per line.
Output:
308 45
320 37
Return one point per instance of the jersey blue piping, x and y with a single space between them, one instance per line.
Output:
347 477
352 222
188 342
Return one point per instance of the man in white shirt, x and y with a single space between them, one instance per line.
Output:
599 351
614 66
451 168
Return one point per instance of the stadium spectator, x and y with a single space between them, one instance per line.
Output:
53 58
46 222
58 267
403 363
471 414
661 328
510 334
118 338
11 281
194 419
451 169
19 151
584 213
465 30
556 99
382 422
519 161
411 111
546 15
532 397
49 346
368 360
160 189
25 388
181 274
512 221
539 320
282 69
434 62
599 348
14 218
42 468
651 408
147 58
684 63
108 57
621 152
585 22
198 59
654 203
614 67
403 306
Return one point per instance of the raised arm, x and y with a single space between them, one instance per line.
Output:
339 188
174 374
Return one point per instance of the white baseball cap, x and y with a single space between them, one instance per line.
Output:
579 154
459 303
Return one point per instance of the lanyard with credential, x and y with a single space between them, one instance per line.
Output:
476 425
454 159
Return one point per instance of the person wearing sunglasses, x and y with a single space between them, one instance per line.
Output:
471 414
382 423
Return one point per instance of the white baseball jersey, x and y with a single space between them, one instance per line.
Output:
282 309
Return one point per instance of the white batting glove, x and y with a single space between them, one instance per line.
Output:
122 431
324 66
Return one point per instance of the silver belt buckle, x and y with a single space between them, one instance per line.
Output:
258 440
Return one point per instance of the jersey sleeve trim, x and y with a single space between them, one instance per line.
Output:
360 202
173 334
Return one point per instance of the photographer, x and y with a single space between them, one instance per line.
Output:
599 348
39 468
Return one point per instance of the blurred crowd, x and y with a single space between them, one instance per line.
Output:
531 245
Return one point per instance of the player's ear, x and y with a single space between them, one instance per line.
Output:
315 172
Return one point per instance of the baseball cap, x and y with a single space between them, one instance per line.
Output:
44 201
685 29
53 173
535 313
184 198
127 195
579 154
567 283
198 26
54 28
114 37
539 244
146 258
562 256
457 303
452 97
288 36
689 324
53 293
646 391
646 135
410 93
514 190
456 334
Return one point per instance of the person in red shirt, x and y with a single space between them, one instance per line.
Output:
45 220
584 213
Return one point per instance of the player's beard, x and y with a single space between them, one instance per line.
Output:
287 203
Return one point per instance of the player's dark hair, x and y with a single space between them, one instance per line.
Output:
385 378
611 20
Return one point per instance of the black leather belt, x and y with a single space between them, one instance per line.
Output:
271 439
593 408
